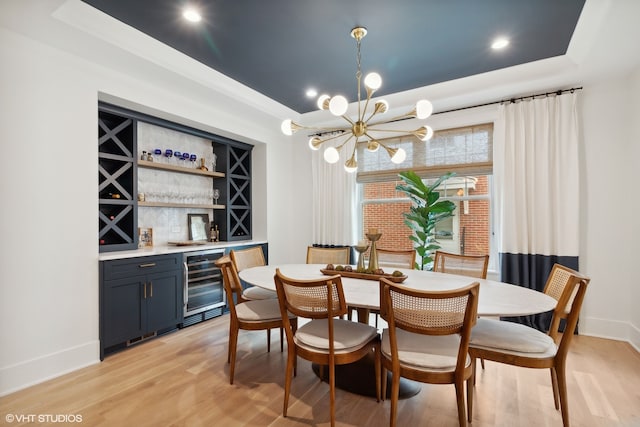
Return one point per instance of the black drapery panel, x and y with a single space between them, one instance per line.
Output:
532 271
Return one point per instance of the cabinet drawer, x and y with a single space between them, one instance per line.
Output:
122 268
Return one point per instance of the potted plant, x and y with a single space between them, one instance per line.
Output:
425 212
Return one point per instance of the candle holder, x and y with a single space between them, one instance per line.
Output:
361 250
373 255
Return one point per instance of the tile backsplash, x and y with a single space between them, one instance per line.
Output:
170 224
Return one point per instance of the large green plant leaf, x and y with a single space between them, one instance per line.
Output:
425 212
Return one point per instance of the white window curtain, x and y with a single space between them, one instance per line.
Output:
334 203
536 164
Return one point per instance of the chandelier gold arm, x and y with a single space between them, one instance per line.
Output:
348 119
339 147
296 127
330 138
419 133
390 151
410 115
379 108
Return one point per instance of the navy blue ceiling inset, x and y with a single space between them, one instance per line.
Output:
281 47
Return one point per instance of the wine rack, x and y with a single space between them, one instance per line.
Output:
117 181
235 221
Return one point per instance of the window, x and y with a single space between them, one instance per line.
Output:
462 150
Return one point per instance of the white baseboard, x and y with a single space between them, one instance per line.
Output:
34 371
634 337
610 329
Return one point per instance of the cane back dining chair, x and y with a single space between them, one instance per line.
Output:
388 258
337 256
463 265
427 339
519 345
248 314
246 258
325 339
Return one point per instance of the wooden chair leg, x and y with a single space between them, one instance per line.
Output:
562 391
231 327
268 340
291 356
233 343
332 393
554 386
462 416
469 399
473 370
377 368
281 340
383 379
482 363
395 391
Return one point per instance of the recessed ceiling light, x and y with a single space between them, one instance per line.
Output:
191 15
311 93
500 43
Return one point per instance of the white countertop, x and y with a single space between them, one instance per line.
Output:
172 249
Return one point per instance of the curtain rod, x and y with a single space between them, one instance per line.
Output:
513 100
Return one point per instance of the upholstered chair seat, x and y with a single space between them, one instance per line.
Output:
426 352
347 336
512 338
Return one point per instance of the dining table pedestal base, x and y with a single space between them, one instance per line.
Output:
360 378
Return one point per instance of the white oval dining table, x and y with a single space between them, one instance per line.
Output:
496 298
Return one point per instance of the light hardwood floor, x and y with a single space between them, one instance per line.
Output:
181 379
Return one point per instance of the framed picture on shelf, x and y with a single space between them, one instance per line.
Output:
198 227
145 237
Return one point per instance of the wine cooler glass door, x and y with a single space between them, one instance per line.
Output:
203 285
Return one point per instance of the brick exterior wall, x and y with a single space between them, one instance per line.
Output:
388 219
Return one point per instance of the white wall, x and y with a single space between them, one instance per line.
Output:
49 181
609 246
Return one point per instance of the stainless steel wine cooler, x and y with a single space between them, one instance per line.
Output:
204 295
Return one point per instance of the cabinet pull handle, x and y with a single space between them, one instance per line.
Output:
145 290
150 289
186 284
151 264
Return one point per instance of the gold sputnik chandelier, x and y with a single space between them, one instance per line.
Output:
362 130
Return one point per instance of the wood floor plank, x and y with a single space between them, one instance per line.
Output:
182 379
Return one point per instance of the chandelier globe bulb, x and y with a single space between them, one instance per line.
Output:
351 165
286 127
373 145
323 101
399 156
338 105
373 81
314 143
424 109
429 134
331 155
381 107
